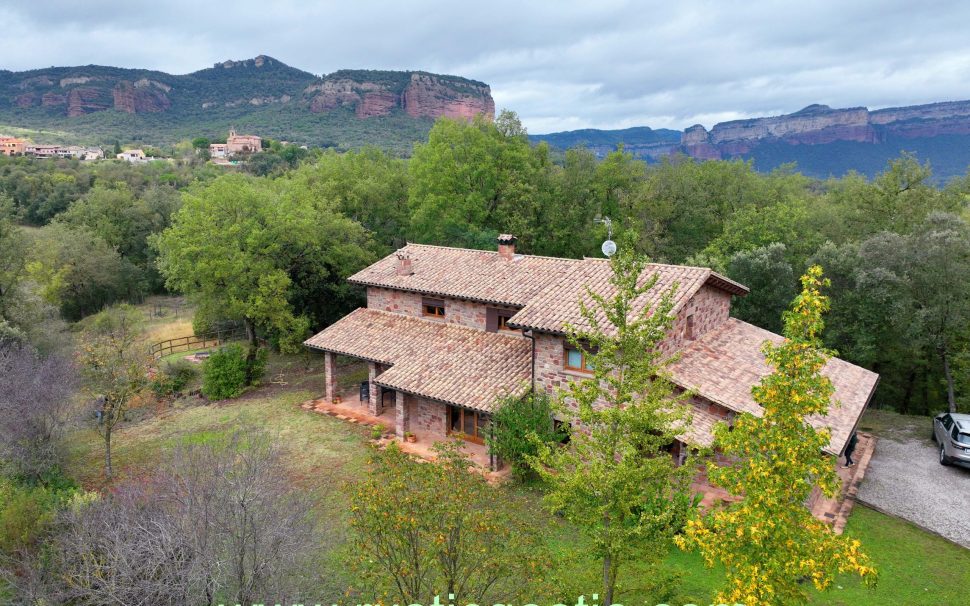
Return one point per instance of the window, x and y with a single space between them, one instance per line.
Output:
469 424
497 319
434 308
562 428
689 327
577 359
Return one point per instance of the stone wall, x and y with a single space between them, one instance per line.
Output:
709 307
420 415
458 311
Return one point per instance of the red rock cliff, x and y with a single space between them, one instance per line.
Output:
84 100
420 95
144 96
819 124
427 97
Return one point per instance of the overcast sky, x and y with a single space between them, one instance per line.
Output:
561 65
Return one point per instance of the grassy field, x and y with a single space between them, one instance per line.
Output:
324 454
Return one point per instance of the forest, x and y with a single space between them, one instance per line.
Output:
128 479
75 238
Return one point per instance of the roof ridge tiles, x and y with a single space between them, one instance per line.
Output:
495 252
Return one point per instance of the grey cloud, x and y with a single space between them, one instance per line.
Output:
559 64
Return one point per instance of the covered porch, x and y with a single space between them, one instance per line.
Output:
350 408
426 380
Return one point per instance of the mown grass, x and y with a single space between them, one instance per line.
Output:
325 454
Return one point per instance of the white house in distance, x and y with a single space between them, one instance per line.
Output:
135 156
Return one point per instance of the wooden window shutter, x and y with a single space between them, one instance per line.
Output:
491 319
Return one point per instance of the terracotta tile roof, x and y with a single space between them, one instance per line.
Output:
558 305
700 432
442 361
478 275
725 363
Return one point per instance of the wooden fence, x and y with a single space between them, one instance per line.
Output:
194 342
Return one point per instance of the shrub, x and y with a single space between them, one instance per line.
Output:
224 373
25 512
173 378
258 368
519 426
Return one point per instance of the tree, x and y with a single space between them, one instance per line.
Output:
13 255
368 186
615 480
770 277
249 250
470 182
114 214
219 523
519 426
114 361
34 395
941 261
79 272
768 541
422 530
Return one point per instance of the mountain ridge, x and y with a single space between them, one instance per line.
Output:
938 132
261 94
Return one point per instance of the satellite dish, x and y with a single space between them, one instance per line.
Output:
609 248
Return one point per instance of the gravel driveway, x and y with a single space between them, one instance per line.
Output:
906 479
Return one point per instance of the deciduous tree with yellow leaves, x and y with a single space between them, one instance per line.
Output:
770 545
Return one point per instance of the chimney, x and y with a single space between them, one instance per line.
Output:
506 246
404 267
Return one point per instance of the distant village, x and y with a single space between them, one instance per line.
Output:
227 153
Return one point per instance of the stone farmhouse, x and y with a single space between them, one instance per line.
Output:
236 144
448 331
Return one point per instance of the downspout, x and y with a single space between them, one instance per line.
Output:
532 336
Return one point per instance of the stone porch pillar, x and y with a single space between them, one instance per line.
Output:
330 376
403 423
374 402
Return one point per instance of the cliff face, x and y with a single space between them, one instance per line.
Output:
420 95
820 124
144 96
428 96
238 85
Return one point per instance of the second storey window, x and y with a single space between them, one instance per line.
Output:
577 359
497 319
434 308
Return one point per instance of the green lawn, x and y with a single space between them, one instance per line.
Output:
916 568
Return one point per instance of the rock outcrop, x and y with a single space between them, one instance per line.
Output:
820 124
25 100
420 95
83 100
53 100
429 96
134 99
696 143
256 82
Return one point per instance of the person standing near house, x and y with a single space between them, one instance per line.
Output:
849 449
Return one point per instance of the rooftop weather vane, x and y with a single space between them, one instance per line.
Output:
609 247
